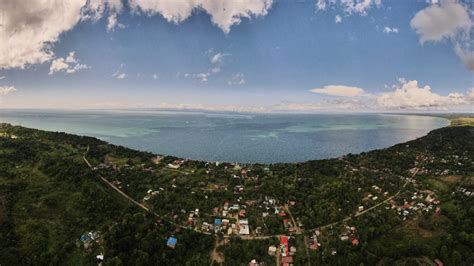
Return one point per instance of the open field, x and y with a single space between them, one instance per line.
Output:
462 121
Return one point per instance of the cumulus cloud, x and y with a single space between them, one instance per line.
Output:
439 21
224 14
4 90
349 6
2 77
29 29
339 90
449 20
389 30
237 79
155 76
69 65
338 19
409 95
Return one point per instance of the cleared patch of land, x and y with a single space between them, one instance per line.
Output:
462 121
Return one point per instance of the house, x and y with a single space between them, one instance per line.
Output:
217 222
85 239
172 241
439 262
287 260
272 250
100 257
284 244
253 263
355 242
244 227
344 238
292 251
361 208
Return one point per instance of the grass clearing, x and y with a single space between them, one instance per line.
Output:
462 121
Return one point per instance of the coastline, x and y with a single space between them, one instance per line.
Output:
336 153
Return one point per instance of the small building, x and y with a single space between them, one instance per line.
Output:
172 241
272 250
439 262
253 263
355 242
244 227
361 208
287 260
100 258
292 250
217 222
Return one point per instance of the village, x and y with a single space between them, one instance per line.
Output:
247 218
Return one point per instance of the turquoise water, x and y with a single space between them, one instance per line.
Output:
264 138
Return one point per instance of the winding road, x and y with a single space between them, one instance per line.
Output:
248 237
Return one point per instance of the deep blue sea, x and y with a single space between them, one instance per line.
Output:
264 138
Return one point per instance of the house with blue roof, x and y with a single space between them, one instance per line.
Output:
172 241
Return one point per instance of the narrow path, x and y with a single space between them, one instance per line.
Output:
216 256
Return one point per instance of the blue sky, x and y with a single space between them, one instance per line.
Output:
275 58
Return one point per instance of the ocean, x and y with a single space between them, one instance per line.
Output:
229 137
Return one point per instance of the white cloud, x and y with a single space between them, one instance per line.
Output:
437 22
113 23
120 75
389 30
224 14
7 90
349 6
29 29
237 79
466 55
339 90
448 20
203 76
70 64
2 77
218 58
155 76
409 95
338 19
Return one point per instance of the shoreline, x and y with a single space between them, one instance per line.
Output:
224 162
449 117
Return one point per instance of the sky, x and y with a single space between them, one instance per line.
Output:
238 55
